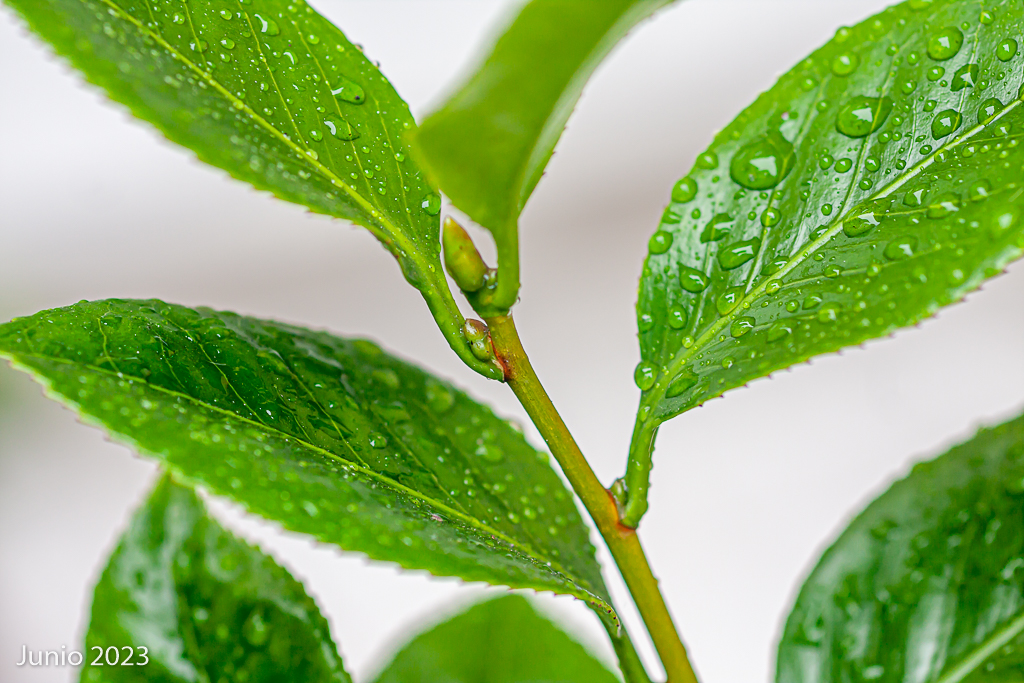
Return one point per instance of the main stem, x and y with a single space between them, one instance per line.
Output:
622 541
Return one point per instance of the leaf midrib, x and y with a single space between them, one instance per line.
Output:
984 651
529 552
386 230
658 396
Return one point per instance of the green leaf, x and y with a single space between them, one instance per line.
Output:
277 96
927 583
183 599
329 436
499 641
837 208
488 145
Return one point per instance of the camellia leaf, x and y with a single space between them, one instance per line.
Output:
489 143
927 584
184 600
499 641
274 94
875 182
330 437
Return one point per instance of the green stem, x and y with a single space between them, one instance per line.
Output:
632 668
622 541
638 471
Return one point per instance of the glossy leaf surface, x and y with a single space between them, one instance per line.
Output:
330 437
499 641
184 600
875 182
277 96
489 143
927 584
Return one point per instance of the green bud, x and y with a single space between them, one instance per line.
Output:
461 258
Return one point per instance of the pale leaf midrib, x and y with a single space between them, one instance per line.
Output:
539 558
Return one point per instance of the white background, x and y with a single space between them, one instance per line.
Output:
747 490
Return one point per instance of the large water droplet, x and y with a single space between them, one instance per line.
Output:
378 441
717 228
944 205
268 26
901 248
778 330
340 128
431 204
763 163
644 375
965 77
845 64
660 242
741 326
347 90
1007 50
708 161
863 115
729 299
677 318
684 191
945 123
989 109
945 44
490 453
683 382
692 280
738 253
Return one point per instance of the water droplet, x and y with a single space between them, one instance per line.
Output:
228 44
490 452
178 18
645 322
989 109
914 198
828 314
660 242
738 253
431 204
378 440
843 165
944 205
316 135
644 375
741 326
677 318
692 280
945 44
979 190
792 306
825 161
945 123
729 299
683 382
707 161
1007 50
965 77
684 191
778 330
863 115
340 128
347 91
862 223
770 217
717 228
811 302
935 73
901 248
268 26
845 64
762 164
255 630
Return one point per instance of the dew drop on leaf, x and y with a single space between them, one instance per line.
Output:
347 91
729 299
683 382
845 64
741 326
738 253
268 26
684 191
863 115
717 228
660 242
989 109
431 204
677 318
1007 50
901 248
945 44
763 163
692 280
644 376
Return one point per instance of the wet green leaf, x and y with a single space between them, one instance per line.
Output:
927 583
275 95
837 208
499 641
489 143
184 600
329 436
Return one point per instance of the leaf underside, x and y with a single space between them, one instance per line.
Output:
489 143
205 605
330 437
277 96
877 181
927 583
499 641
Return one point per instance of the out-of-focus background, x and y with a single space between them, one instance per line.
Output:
748 490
